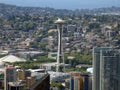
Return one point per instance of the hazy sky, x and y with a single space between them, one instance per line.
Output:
64 4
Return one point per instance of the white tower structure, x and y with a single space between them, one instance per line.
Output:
60 57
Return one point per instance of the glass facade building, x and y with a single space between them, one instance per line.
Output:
106 69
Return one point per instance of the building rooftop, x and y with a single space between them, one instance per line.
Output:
15 84
11 59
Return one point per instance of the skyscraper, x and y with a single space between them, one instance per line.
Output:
106 69
10 76
81 81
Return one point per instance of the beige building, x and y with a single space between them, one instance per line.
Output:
20 75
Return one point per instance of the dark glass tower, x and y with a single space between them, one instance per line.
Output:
106 69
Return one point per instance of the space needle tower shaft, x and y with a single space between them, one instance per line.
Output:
60 61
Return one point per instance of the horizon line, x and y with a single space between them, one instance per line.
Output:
57 8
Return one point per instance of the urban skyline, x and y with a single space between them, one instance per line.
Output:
58 53
61 4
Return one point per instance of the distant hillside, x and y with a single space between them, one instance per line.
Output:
7 10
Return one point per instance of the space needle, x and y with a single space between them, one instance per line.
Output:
60 58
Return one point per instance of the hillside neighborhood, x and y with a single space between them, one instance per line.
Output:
30 46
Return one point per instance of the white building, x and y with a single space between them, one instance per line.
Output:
58 76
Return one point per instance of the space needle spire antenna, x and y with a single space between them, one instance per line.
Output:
60 57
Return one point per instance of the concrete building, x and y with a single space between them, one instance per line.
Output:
106 65
30 81
71 28
58 76
77 35
9 76
21 75
110 33
15 86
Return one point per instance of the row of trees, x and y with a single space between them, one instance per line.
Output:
79 59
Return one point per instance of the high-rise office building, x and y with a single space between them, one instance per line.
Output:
10 76
80 81
106 69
